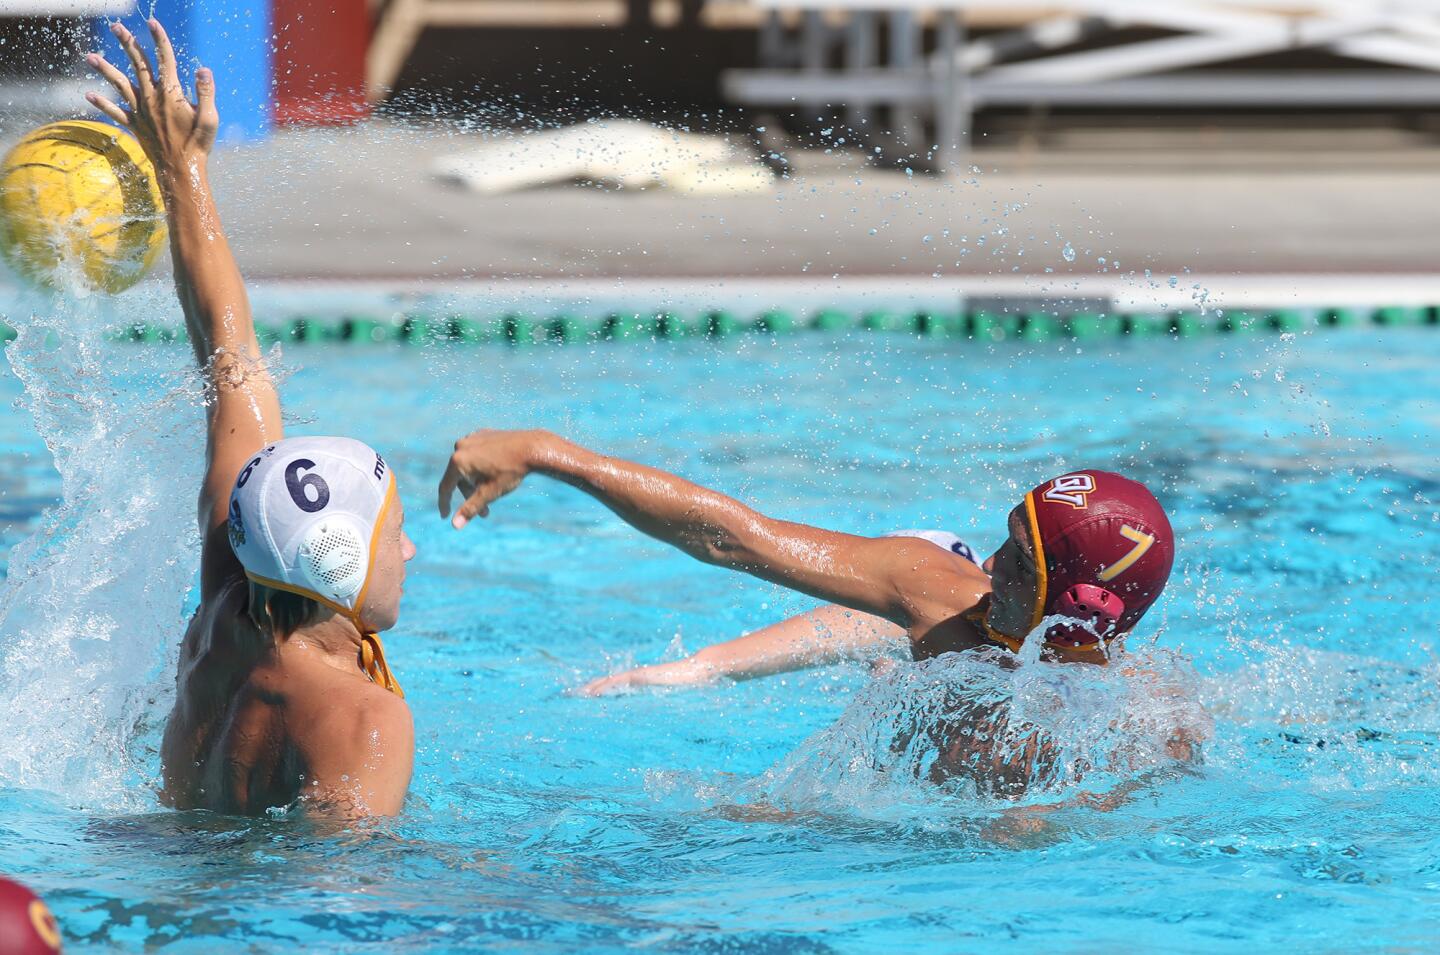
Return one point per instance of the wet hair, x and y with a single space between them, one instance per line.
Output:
281 612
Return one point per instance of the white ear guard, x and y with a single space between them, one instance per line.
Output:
334 558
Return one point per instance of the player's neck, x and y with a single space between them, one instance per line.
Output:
954 634
335 640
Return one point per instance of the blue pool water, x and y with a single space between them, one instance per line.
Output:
767 816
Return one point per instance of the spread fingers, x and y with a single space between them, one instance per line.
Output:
144 76
164 55
108 108
114 77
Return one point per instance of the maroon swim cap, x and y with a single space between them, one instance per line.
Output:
1103 550
26 925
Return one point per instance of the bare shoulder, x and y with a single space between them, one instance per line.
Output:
220 636
932 583
220 569
918 555
352 712
357 741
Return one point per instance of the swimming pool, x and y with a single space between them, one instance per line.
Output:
1300 475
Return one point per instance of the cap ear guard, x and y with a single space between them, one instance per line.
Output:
333 558
1094 606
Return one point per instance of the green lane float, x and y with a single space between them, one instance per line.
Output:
1083 326
721 324
775 321
1342 317
832 320
1239 320
1037 327
979 326
940 324
1187 324
882 321
1146 323
565 328
1395 315
1285 320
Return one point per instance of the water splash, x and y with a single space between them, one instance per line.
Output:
90 608
1335 721
979 730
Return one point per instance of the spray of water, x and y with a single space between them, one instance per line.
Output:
91 607
979 730
1336 721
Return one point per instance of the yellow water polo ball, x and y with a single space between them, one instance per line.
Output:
79 206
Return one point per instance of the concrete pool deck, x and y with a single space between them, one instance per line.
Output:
364 206
1315 219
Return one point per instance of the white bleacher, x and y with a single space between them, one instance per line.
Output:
830 58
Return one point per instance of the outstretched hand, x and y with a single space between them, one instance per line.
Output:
686 672
171 129
485 467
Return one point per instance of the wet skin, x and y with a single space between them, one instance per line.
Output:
1011 595
260 718
261 721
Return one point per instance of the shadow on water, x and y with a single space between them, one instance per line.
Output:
324 889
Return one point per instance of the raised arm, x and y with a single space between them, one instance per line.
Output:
243 409
904 580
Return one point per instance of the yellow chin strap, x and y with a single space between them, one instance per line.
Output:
1010 643
372 651
372 661
1042 590
1042 571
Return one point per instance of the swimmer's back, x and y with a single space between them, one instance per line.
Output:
254 726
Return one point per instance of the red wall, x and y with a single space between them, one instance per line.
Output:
320 61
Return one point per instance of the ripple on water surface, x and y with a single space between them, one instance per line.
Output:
791 814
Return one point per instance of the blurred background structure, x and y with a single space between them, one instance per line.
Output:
427 139
930 80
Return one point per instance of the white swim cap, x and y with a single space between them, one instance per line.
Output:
945 539
304 515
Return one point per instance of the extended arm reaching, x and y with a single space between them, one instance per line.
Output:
817 637
243 411
903 580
